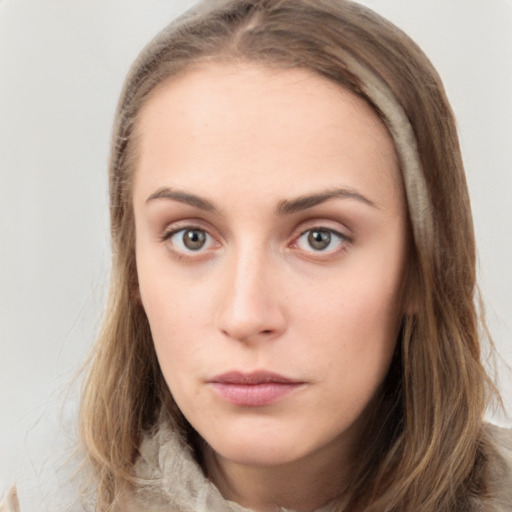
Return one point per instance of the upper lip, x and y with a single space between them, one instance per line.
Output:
248 378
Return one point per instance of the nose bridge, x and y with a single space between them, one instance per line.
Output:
250 306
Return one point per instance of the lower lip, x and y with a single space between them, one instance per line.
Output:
254 395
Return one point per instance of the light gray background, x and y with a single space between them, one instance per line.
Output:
62 64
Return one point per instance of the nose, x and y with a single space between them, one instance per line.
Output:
250 309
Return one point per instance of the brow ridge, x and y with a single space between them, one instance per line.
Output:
287 207
182 197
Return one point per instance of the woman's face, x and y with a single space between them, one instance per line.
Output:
271 247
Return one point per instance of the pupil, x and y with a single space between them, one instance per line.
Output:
194 239
319 239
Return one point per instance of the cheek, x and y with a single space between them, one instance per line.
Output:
175 311
351 325
176 334
170 298
175 316
351 302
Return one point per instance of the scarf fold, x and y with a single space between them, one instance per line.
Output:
171 479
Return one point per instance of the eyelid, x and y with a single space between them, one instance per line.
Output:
326 224
305 227
178 227
319 225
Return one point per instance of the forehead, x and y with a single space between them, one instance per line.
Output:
246 122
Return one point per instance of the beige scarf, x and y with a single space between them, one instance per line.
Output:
170 480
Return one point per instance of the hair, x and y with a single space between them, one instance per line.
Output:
428 447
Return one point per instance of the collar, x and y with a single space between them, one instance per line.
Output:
169 478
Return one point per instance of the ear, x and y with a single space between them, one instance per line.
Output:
411 303
410 290
136 295
135 292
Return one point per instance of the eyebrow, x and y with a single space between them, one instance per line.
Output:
183 197
285 207
308 201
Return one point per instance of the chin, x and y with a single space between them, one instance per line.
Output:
261 445
263 453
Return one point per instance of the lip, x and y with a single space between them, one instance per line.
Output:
254 389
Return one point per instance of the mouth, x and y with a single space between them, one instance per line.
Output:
255 389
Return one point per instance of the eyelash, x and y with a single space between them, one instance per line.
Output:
167 236
343 241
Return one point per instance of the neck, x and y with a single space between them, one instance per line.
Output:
302 485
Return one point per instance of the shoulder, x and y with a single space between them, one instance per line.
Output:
499 467
169 478
501 439
10 501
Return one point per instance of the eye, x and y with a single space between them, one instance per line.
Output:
189 240
320 240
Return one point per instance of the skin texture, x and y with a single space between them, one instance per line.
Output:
246 142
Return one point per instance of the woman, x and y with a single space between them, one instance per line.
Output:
291 320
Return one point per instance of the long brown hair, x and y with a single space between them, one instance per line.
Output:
427 446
